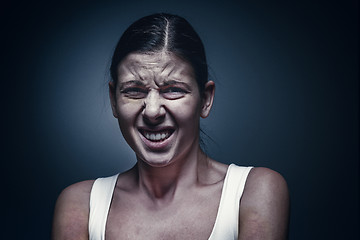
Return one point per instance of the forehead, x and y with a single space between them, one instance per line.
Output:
149 65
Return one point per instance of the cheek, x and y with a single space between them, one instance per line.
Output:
127 112
187 112
126 119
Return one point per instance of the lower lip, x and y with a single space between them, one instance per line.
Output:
158 145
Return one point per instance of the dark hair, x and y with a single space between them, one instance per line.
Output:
160 32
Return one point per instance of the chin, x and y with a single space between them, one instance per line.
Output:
156 161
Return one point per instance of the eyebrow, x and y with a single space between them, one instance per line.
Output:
164 84
174 82
131 83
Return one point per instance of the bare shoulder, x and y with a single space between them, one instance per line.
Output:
264 207
72 212
266 181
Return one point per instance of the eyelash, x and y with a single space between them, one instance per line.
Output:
134 92
172 89
168 92
134 89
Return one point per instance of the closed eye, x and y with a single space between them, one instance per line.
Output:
134 92
173 92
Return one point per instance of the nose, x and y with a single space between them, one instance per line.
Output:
154 111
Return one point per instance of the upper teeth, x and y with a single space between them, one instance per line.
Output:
156 136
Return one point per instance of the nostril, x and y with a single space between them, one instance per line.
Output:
153 111
153 116
153 121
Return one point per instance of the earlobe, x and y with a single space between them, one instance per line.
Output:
112 95
208 99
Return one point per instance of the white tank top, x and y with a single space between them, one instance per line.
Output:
227 219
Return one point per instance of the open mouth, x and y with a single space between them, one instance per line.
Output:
156 136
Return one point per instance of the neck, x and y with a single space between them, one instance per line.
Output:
162 183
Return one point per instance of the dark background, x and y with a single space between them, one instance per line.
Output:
287 98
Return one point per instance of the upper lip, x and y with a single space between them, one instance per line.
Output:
156 129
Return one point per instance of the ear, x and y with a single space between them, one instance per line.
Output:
112 94
208 99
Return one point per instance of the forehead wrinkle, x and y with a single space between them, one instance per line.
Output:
151 73
139 70
168 69
165 72
156 68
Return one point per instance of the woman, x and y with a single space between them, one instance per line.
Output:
159 91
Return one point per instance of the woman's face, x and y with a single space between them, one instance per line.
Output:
158 105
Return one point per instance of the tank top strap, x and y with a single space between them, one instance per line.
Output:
227 220
100 200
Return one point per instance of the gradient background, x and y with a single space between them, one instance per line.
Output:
286 98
